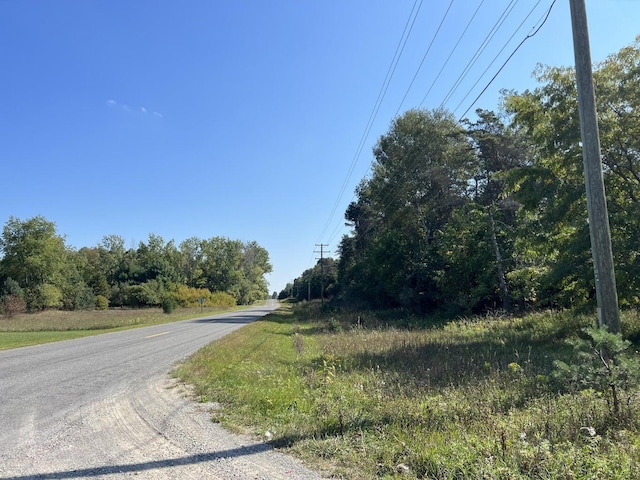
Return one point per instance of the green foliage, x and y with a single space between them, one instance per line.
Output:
473 399
605 363
309 286
169 303
43 296
191 297
11 287
420 176
492 213
38 267
149 293
102 302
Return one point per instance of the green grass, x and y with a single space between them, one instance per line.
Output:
56 325
475 398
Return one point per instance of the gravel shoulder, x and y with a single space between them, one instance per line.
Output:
155 431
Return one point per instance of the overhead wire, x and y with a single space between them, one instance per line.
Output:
535 30
452 51
426 54
530 35
413 14
424 57
478 53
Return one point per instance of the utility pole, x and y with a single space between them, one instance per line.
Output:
321 252
606 293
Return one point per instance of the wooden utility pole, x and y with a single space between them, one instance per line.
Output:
606 293
321 252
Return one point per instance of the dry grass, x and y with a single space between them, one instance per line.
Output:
474 398
55 325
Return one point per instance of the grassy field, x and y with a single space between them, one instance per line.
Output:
55 325
393 398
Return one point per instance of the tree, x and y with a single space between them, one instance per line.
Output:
490 218
309 286
222 265
191 254
34 255
551 188
159 260
419 177
255 264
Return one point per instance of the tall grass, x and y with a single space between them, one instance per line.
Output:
475 398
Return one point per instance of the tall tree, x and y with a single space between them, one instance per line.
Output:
419 176
222 265
499 149
255 264
34 255
551 189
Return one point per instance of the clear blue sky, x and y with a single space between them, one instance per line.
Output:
242 118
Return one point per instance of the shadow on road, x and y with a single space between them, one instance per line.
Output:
247 318
139 467
240 317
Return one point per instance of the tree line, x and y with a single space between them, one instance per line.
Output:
469 216
39 271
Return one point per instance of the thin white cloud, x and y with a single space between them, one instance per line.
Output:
114 103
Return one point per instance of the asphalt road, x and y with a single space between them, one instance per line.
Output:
103 406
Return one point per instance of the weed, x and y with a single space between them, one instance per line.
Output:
475 398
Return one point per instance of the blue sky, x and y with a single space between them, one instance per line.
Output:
245 119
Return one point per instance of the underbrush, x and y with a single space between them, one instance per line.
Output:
364 396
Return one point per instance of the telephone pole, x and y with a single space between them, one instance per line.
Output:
321 252
606 293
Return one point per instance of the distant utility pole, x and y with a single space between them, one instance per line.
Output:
321 252
606 293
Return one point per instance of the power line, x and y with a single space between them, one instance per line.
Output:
505 14
499 23
383 90
381 200
509 58
435 35
452 52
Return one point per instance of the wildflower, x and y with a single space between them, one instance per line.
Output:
514 367
590 430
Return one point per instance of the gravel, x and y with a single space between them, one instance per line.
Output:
155 432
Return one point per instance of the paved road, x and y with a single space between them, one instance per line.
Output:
103 406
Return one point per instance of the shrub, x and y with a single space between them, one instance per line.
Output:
190 297
102 302
169 304
12 305
604 363
221 299
44 296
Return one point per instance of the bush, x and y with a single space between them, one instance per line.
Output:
102 302
12 305
604 363
190 297
44 296
169 304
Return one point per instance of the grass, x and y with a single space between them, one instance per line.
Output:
475 398
56 325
